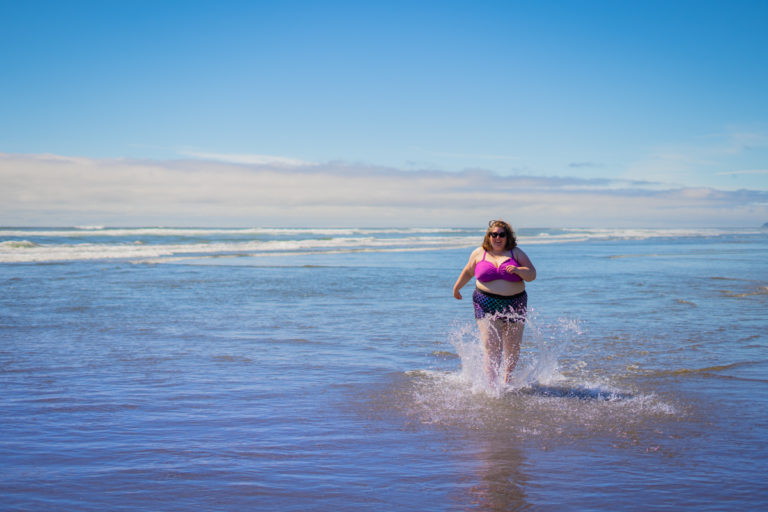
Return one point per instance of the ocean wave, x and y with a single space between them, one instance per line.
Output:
101 231
531 234
645 233
716 370
17 244
157 243
132 250
761 290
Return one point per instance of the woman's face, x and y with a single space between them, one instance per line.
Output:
498 237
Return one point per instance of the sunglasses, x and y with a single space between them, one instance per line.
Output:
499 235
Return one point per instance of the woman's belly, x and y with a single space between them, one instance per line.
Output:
501 287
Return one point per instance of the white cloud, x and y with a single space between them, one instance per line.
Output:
57 190
247 159
752 171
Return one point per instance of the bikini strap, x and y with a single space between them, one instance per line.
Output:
484 253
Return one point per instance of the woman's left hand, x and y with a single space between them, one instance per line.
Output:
510 269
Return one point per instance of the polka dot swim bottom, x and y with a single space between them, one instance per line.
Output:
511 308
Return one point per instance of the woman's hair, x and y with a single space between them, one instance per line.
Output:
511 240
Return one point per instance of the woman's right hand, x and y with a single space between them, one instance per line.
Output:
466 274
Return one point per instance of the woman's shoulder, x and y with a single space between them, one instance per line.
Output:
476 254
519 254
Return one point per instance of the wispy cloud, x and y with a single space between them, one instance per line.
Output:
55 190
248 159
739 141
698 161
752 171
577 165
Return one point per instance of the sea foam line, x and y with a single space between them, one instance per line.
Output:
36 246
15 252
211 232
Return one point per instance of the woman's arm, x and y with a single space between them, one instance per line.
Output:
466 274
526 270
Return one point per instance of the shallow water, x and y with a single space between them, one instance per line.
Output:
333 379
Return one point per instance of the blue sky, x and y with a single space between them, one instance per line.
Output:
648 100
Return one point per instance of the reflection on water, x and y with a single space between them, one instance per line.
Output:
501 481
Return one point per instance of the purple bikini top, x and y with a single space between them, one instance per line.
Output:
486 271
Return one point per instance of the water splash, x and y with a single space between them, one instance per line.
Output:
539 360
542 400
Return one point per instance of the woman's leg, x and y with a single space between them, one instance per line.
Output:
512 338
493 348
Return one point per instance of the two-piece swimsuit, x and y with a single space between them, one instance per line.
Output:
511 308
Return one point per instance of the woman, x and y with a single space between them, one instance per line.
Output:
500 269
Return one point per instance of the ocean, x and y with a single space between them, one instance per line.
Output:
186 369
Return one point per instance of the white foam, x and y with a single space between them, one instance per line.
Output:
133 243
10 252
101 231
17 244
644 233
